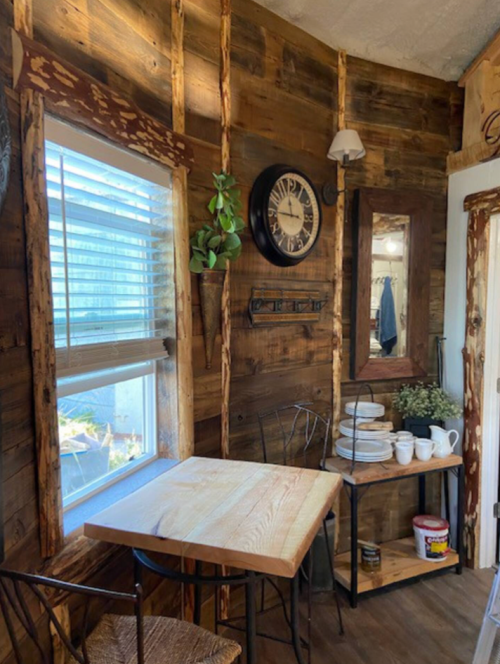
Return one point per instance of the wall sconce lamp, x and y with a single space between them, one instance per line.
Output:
345 147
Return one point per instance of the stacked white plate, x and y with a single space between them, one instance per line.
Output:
346 427
365 409
367 451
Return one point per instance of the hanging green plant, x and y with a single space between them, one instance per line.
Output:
216 243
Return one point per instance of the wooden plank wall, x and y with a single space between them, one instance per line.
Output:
283 88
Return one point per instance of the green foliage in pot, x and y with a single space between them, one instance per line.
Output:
426 401
216 243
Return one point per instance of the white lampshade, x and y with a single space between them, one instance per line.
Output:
346 146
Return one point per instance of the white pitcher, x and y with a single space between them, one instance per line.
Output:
442 439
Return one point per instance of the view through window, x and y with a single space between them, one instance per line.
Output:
110 253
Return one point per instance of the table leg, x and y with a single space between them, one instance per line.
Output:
354 546
421 494
294 610
197 595
251 619
460 517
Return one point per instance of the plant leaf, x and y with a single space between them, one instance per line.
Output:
226 223
219 204
195 265
212 259
200 252
236 253
212 204
221 263
230 181
232 242
239 224
201 238
215 241
207 227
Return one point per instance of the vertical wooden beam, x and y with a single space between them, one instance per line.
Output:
474 352
23 17
184 348
225 93
338 256
36 220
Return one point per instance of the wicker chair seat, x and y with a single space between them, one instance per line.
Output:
166 641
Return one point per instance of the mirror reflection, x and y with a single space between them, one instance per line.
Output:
389 285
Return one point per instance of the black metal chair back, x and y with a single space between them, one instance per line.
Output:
15 591
293 421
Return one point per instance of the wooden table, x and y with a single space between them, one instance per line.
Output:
399 558
251 516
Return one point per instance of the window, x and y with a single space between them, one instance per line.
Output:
111 259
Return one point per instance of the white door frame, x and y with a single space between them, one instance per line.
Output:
491 410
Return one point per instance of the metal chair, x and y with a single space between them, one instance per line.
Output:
315 427
136 639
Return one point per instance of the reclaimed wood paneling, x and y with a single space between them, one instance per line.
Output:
284 109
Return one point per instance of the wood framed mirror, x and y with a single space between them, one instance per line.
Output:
391 284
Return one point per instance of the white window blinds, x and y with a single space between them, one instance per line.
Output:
108 231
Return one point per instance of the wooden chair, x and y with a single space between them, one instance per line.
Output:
116 639
298 427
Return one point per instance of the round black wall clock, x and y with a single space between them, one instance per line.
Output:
285 215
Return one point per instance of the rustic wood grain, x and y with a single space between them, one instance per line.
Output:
74 95
245 515
36 220
184 345
225 92
23 17
365 473
338 258
399 562
473 354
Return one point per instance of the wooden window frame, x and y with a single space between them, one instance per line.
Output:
48 84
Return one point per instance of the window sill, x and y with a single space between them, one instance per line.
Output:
75 517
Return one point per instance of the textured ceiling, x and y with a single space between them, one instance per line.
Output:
435 37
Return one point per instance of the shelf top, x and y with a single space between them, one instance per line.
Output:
370 473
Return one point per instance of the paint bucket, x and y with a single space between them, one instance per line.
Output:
431 537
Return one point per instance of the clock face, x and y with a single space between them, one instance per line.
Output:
285 215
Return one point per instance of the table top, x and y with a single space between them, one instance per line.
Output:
251 516
369 473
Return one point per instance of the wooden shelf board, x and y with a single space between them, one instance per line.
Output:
399 563
370 473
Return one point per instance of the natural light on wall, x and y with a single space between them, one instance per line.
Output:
111 260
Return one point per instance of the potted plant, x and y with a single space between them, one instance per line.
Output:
211 247
421 405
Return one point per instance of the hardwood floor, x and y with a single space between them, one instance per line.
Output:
432 621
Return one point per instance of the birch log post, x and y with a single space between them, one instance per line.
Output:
36 220
473 354
184 346
23 17
225 93
338 256
480 207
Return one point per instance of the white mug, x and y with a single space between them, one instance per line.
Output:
424 448
405 436
404 452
